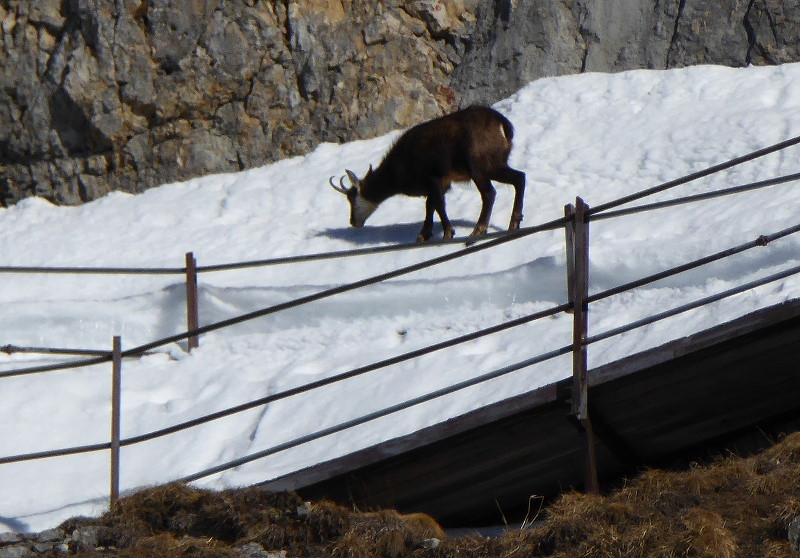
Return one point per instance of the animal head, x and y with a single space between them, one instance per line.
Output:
360 207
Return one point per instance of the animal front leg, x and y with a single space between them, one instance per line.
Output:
447 228
435 203
427 226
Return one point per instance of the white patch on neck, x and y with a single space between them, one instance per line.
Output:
503 132
361 209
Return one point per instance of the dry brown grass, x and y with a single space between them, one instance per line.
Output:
386 533
732 508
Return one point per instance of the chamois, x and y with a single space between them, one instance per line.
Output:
470 144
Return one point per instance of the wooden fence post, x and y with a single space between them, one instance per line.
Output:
580 385
569 237
192 314
116 400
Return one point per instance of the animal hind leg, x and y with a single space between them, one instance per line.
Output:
487 193
516 178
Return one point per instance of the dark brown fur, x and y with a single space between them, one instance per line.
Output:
473 143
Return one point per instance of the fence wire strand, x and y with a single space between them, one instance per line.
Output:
696 197
692 305
472 249
381 413
142 349
350 374
694 176
761 241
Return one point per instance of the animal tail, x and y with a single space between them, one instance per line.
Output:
508 129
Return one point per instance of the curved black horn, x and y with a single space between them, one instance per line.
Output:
351 176
341 188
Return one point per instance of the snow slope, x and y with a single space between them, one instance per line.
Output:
594 135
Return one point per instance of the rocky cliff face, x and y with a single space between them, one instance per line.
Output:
518 41
101 95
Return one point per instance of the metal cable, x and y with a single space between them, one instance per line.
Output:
762 240
479 379
692 305
55 453
12 349
54 367
506 237
696 197
381 413
136 351
95 270
422 399
348 374
694 176
466 240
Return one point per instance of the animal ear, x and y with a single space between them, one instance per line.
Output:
352 176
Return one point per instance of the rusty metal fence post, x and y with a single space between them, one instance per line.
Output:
569 237
192 313
578 279
580 292
116 400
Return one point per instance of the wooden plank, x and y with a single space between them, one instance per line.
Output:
743 325
397 446
728 391
706 371
475 451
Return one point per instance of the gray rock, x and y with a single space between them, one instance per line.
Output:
794 535
430 543
86 538
51 535
98 96
516 42
16 551
42 547
255 550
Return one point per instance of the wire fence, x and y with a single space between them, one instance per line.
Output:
471 245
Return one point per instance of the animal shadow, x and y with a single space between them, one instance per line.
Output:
402 233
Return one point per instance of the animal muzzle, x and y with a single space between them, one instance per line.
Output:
360 210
